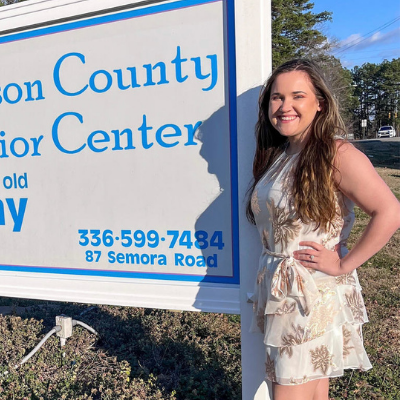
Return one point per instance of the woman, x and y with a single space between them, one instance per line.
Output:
306 180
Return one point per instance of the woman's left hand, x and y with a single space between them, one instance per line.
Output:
319 258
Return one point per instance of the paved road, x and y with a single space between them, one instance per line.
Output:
395 139
382 152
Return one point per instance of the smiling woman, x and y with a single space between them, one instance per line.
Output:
307 299
293 106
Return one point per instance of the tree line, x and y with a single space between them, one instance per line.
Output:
370 92
378 92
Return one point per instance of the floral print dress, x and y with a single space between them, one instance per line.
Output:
311 321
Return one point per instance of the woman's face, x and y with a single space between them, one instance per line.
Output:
293 105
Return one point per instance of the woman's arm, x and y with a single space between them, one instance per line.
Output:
358 180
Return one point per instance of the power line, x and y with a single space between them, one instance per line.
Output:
374 51
364 37
372 57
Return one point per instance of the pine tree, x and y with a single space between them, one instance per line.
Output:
294 30
378 90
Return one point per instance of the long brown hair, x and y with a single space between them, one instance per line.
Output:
313 184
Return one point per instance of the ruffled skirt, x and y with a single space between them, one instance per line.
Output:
312 322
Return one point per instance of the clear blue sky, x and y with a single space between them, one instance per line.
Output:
371 27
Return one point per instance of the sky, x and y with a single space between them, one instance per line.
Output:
367 30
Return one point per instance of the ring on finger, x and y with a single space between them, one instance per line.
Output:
311 257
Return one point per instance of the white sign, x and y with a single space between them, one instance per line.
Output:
363 123
109 164
122 178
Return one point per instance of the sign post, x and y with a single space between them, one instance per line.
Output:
126 144
363 126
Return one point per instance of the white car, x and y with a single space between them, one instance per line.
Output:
386 131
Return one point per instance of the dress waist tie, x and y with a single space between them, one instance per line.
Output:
293 279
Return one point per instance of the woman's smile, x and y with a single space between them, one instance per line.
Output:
284 118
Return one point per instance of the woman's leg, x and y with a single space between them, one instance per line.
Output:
322 390
314 390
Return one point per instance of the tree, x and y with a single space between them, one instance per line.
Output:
294 30
378 90
340 81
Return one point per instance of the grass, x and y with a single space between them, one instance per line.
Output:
141 354
156 354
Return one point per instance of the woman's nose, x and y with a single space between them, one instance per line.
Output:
286 105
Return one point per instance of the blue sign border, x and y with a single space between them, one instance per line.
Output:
230 12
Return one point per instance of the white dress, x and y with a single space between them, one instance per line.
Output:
312 321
